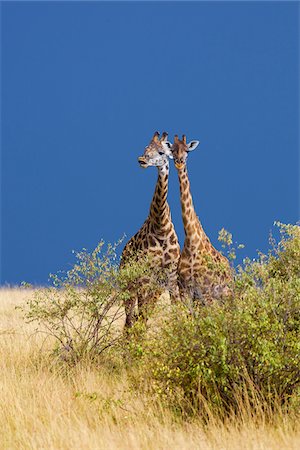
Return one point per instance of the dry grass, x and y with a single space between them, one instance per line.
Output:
44 407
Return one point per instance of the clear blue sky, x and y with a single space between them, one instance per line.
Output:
85 85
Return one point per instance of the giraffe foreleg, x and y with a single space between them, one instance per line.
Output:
172 282
143 306
146 304
173 288
129 312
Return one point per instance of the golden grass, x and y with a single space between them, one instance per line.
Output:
45 407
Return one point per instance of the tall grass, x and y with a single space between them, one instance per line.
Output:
44 405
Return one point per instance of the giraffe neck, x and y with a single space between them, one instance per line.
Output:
159 209
189 216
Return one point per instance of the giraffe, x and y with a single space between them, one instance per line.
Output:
204 274
157 237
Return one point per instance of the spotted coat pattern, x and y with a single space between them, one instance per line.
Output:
157 237
204 274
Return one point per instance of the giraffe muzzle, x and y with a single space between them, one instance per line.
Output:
143 163
179 165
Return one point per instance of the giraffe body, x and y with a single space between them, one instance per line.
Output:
204 274
156 238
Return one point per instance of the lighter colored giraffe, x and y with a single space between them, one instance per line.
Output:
157 237
204 274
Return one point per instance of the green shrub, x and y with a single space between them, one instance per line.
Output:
248 346
83 309
246 349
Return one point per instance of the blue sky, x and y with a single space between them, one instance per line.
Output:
85 85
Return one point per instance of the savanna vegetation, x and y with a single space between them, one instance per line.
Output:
222 376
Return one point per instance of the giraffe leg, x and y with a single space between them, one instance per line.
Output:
174 294
172 283
174 288
142 307
187 290
129 311
146 304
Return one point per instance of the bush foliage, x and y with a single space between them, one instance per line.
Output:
250 343
83 308
246 347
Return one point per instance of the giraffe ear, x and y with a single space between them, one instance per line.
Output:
166 145
192 145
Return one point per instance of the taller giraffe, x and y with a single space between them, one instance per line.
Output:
204 274
157 236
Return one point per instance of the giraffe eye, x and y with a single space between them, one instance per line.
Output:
160 153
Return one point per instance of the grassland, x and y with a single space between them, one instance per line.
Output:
44 406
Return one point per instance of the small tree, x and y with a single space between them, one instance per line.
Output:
83 308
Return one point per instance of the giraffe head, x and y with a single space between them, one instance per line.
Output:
180 150
157 152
